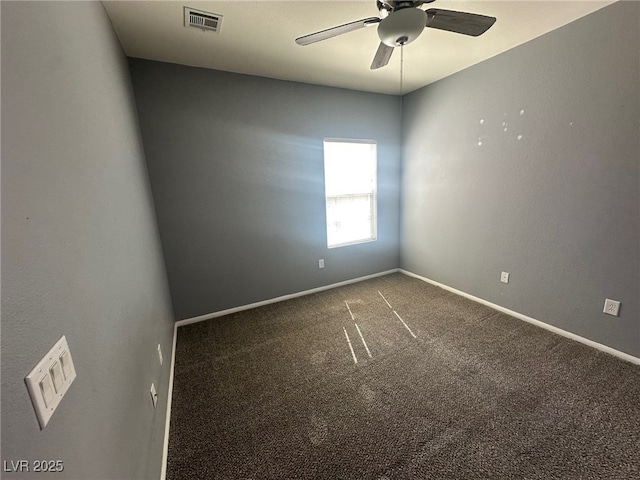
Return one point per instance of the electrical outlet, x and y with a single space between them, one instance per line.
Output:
160 354
154 395
504 277
321 263
611 307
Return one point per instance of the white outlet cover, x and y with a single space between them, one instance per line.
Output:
160 354
504 277
39 380
611 307
321 263
154 395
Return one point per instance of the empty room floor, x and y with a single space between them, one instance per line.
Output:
393 378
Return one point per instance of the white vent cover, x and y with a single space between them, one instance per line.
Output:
203 20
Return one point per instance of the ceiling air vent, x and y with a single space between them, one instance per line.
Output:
203 20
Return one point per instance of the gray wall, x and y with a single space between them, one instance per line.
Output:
81 255
236 169
559 208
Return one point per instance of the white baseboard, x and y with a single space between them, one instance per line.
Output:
221 313
520 316
165 447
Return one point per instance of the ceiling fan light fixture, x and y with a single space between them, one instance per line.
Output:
402 27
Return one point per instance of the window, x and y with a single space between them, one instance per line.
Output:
350 191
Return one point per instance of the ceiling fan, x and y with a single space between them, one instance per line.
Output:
401 22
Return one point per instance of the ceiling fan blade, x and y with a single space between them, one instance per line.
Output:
335 31
459 22
382 56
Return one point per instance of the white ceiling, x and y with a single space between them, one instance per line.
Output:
257 38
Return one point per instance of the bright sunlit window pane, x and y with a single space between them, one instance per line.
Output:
350 191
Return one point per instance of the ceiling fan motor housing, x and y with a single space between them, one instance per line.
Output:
402 26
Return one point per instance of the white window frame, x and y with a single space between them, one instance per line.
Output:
371 191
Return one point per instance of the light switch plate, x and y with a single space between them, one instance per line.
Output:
504 277
51 377
159 354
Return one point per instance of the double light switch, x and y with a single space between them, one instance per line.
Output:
50 379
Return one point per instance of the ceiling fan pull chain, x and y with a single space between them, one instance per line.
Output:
401 66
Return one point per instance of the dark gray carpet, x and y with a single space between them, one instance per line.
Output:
274 393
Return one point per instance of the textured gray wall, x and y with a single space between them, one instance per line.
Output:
236 170
81 255
557 208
